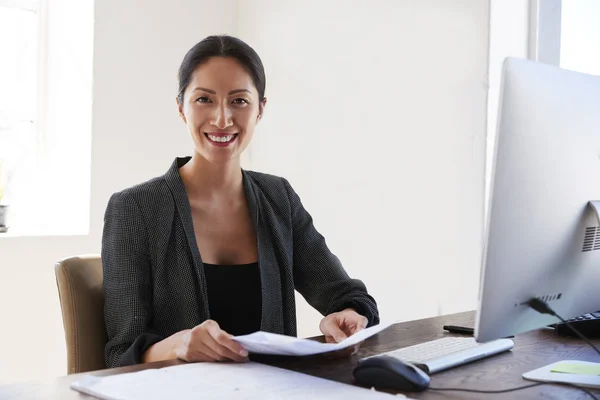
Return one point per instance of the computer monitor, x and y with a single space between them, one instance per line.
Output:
542 232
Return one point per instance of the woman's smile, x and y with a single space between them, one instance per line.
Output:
221 139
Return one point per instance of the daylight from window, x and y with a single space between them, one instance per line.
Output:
580 36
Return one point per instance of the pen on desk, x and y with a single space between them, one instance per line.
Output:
458 329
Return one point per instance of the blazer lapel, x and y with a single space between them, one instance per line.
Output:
272 309
182 204
272 304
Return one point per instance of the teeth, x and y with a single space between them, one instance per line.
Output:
221 139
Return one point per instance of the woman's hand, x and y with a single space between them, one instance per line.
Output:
207 342
338 326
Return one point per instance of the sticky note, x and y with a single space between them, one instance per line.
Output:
578 369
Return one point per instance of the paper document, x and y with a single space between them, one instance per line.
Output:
274 344
572 372
221 381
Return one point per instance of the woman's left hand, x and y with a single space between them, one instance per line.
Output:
338 326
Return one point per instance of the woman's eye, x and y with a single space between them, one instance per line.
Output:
203 100
240 101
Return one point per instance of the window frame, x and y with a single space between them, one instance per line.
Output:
545 18
40 7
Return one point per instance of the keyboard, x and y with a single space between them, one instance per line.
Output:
440 354
588 325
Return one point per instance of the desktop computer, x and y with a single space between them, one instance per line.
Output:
542 236
543 229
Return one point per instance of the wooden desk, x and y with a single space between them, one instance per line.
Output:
532 350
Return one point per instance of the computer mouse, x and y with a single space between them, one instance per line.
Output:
387 372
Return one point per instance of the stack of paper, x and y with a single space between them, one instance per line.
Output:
221 381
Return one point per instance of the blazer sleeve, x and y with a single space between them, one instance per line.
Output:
318 273
127 283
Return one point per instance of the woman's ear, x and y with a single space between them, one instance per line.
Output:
180 110
261 108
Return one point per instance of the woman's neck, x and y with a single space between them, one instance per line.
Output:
207 181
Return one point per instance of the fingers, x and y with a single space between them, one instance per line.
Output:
330 328
224 352
358 324
222 343
363 322
329 339
193 349
203 352
350 321
208 342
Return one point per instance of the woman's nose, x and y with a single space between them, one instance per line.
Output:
222 119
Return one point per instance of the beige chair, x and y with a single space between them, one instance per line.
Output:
79 281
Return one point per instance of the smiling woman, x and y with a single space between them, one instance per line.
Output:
221 105
210 250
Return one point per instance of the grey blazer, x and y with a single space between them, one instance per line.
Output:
154 281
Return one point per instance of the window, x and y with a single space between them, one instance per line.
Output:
45 115
19 47
566 33
563 33
580 36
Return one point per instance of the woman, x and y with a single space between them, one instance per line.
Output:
209 250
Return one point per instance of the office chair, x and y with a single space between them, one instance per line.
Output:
79 281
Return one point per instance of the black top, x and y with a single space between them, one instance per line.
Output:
234 297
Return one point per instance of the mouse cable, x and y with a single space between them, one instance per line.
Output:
543 308
592 395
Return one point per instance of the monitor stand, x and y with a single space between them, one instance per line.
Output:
580 373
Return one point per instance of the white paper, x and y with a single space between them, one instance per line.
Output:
221 381
545 374
274 344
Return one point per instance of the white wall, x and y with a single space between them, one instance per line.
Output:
403 213
509 37
136 134
377 115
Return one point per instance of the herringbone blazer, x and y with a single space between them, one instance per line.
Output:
154 281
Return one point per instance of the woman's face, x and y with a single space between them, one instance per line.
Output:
221 108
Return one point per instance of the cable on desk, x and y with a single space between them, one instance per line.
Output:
592 395
487 391
543 308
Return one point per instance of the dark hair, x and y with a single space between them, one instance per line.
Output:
222 46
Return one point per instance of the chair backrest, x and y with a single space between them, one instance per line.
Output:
79 281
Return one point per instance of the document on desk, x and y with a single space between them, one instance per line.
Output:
274 344
221 381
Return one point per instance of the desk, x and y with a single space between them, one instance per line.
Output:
532 350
